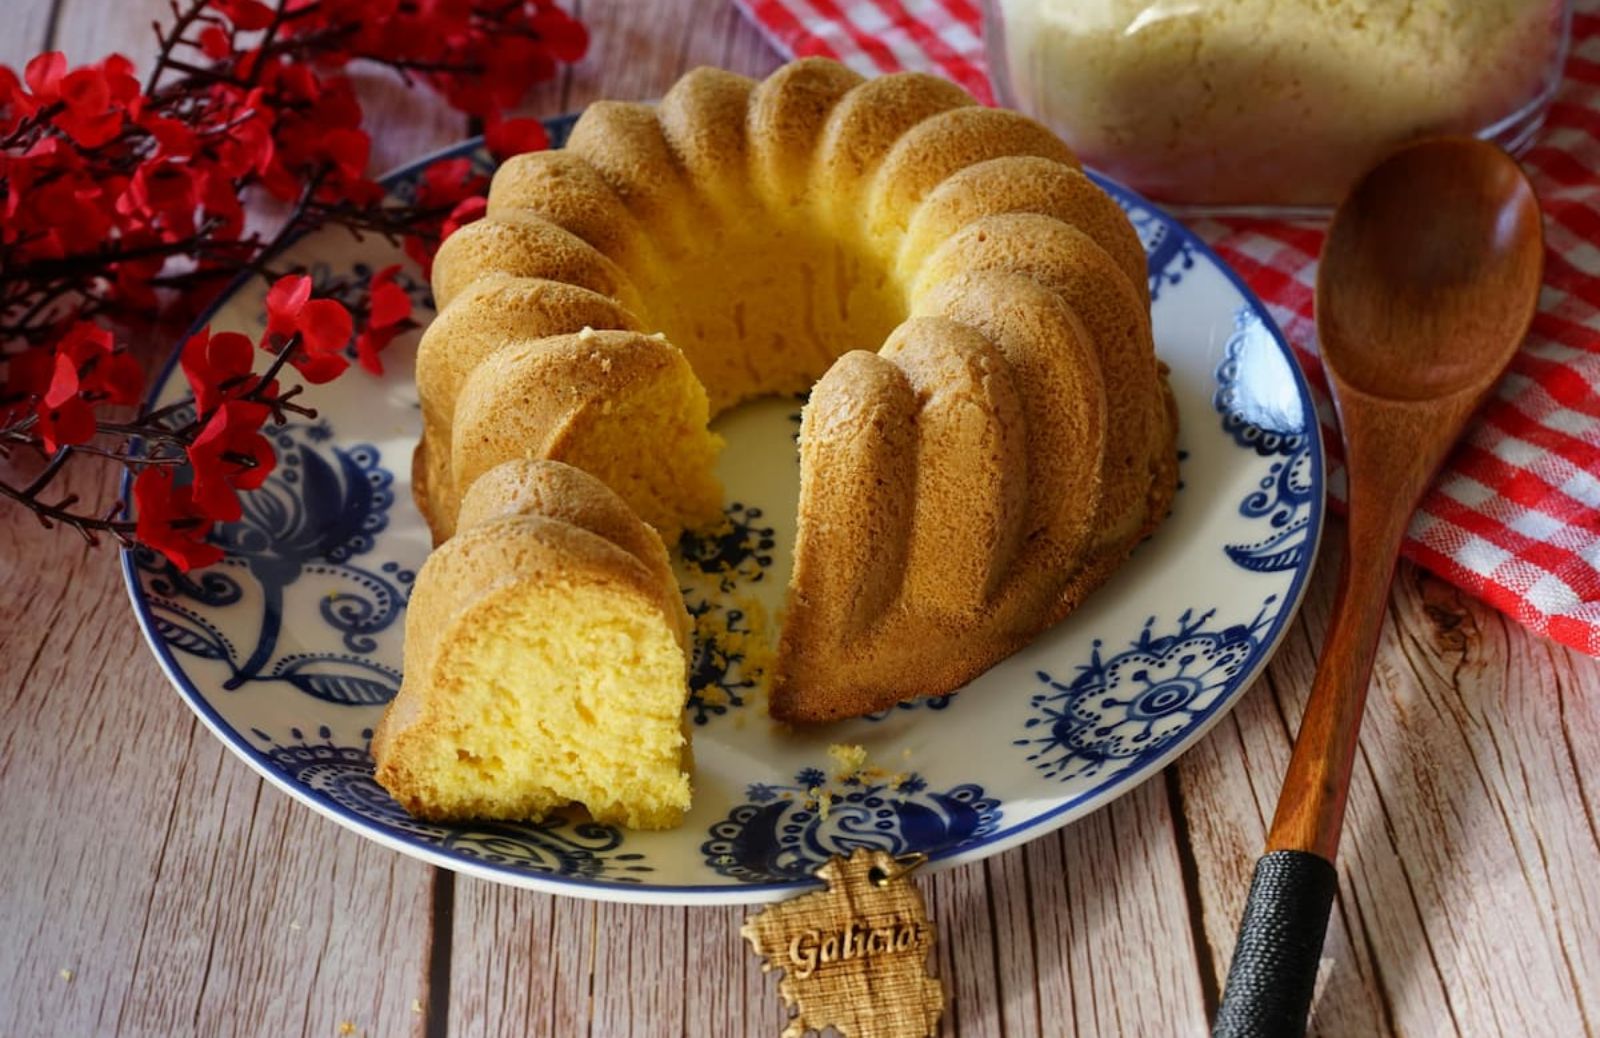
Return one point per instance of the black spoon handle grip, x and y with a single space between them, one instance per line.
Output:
1274 969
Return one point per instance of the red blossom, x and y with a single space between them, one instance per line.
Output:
16 104
215 43
43 75
452 186
89 115
64 416
108 194
217 367
388 314
68 379
228 456
106 372
508 137
324 327
169 520
248 15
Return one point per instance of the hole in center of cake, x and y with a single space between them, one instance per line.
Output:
762 308
735 575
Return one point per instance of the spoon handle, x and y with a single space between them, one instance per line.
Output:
1273 974
1274 970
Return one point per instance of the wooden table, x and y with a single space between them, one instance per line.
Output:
153 884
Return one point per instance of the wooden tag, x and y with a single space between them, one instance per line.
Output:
855 956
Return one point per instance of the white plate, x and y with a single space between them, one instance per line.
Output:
289 648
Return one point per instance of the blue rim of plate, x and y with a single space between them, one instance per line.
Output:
1004 839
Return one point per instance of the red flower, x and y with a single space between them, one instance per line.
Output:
508 137
168 520
566 37
215 43
447 182
248 15
388 314
162 194
175 137
323 325
230 455
16 104
105 372
69 213
248 146
83 368
43 75
90 117
217 367
466 211
64 416
347 151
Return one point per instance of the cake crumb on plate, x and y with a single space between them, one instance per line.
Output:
849 757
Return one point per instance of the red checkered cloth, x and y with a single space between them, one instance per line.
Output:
1515 517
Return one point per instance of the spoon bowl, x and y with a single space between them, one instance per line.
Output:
1430 273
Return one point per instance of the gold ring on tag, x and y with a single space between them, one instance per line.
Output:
905 864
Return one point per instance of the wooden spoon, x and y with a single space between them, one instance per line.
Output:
1428 281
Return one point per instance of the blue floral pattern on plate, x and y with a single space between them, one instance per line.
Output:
320 510
1278 427
784 831
290 647
558 846
1126 708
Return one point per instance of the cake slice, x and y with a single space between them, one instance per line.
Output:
544 662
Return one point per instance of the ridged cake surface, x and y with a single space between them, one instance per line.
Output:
988 433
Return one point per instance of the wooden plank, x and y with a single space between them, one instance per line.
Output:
87 30
1469 899
1126 914
175 890
638 50
27 31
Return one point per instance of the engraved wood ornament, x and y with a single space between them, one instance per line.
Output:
854 956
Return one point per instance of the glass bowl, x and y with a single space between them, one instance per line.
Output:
1271 106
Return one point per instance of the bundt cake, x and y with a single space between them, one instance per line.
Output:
544 661
995 456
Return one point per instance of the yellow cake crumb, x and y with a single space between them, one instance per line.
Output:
416 1005
850 759
67 975
346 1027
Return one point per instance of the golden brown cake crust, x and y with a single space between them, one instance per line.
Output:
1026 184
559 491
788 111
566 397
962 488
526 245
566 190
